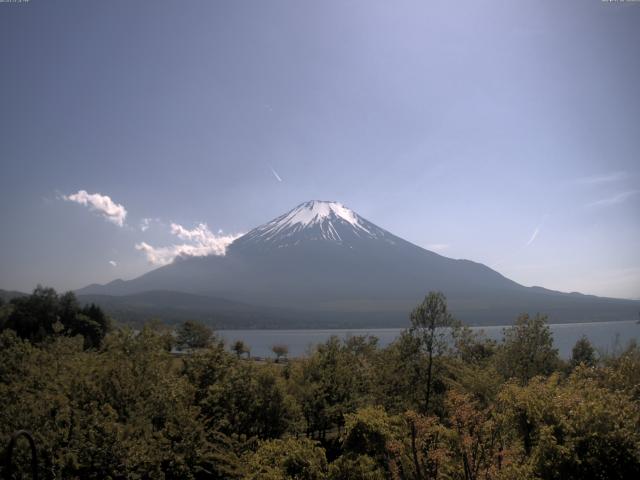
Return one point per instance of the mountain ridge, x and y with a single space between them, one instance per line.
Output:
324 260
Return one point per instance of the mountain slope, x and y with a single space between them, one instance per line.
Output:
7 295
174 307
326 262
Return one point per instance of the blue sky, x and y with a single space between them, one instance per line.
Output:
503 132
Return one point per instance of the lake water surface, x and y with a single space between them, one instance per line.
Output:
606 336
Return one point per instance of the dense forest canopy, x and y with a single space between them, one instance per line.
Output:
104 402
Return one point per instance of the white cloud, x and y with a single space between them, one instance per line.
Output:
533 236
275 174
113 263
144 224
107 208
200 242
437 247
604 178
535 233
617 198
519 250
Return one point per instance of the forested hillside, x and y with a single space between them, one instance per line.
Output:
439 403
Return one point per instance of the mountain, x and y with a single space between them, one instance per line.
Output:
7 295
175 307
323 264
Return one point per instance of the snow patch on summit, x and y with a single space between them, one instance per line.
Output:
315 220
316 211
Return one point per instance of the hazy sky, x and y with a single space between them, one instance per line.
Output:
499 131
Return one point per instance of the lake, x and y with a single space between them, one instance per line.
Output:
605 336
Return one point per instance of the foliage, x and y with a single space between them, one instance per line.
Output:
333 382
45 313
367 432
280 351
419 449
121 412
621 372
432 326
574 429
240 347
164 332
300 459
192 334
473 348
527 349
356 467
250 402
401 374
583 353
475 438
441 402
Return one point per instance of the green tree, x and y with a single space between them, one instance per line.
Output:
475 438
121 412
473 348
5 311
164 331
280 350
419 450
284 459
368 432
192 334
356 467
400 375
583 352
333 381
43 314
206 368
527 349
33 316
574 429
250 401
432 326
101 321
240 348
622 372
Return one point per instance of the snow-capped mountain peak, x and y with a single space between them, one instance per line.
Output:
314 220
317 211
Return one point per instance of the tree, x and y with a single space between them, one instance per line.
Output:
335 380
90 321
5 311
280 350
399 375
527 349
300 459
97 315
474 437
44 313
33 316
250 401
163 330
473 347
124 411
583 352
418 452
367 432
240 347
622 372
192 334
355 467
574 429
431 325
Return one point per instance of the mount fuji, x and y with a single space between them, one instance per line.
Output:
322 264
